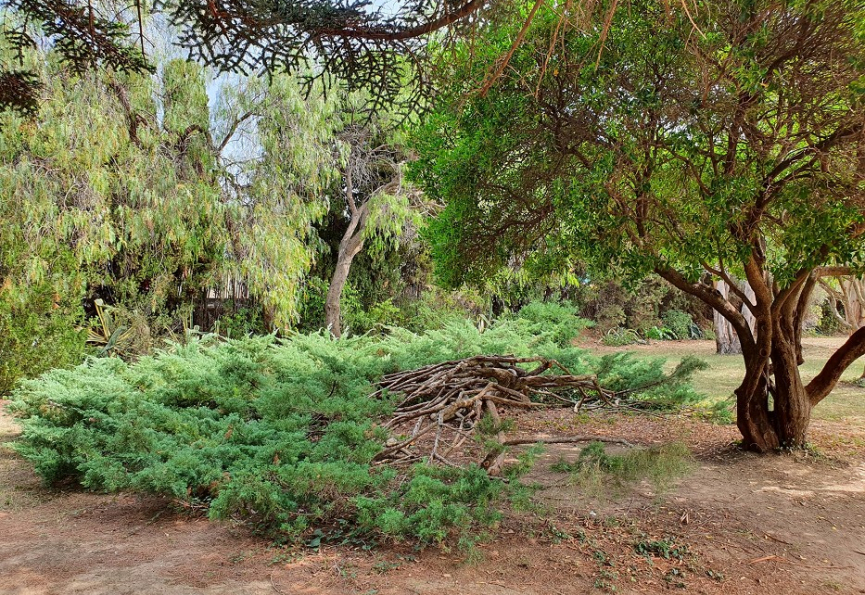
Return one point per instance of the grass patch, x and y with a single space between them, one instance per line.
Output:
725 372
600 474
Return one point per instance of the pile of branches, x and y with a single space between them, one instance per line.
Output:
443 403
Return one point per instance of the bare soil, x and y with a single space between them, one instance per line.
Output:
790 524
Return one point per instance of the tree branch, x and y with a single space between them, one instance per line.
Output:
381 34
822 384
713 298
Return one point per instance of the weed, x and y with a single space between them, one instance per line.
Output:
284 558
605 581
557 535
384 566
674 578
663 548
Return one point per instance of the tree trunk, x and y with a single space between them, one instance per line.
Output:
746 311
726 339
777 410
348 249
773 405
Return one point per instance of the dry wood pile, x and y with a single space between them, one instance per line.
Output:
442 404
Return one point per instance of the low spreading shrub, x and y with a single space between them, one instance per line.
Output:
282 433
599 473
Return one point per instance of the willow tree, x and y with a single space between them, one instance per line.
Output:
728 144
100 199
279 187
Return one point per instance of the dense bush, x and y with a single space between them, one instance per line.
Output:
282 433
681 324
39 334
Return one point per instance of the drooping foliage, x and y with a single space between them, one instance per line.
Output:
128 190
98 201
283 433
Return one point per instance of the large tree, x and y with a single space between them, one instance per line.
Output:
727 143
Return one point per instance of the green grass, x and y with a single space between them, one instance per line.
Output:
725 372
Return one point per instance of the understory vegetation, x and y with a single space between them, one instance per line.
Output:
598 473
283 433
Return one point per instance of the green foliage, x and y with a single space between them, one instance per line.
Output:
282 433
644 378
38 335
558 322
661 334
662 548
599 473
619 337
240 322
721 412
100 202
681 324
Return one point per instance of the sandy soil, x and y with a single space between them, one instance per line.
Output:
752 525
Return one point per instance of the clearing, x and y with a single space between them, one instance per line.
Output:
737 523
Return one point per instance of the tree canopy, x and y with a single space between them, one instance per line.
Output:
730 142
375 46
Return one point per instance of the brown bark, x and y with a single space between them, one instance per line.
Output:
350 245
773 403
822 384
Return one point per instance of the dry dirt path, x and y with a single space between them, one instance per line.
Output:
759 525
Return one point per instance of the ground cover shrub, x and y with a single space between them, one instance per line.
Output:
282 433
599 473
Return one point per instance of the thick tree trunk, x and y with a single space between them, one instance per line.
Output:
774 411
773 405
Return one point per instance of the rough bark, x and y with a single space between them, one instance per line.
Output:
773 403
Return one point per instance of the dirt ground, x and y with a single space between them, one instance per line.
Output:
788 524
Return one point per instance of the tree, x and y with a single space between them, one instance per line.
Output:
279 187
726 340
846 294
379 203
726 144
100 200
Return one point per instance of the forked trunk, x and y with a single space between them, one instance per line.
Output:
774 411
773 405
